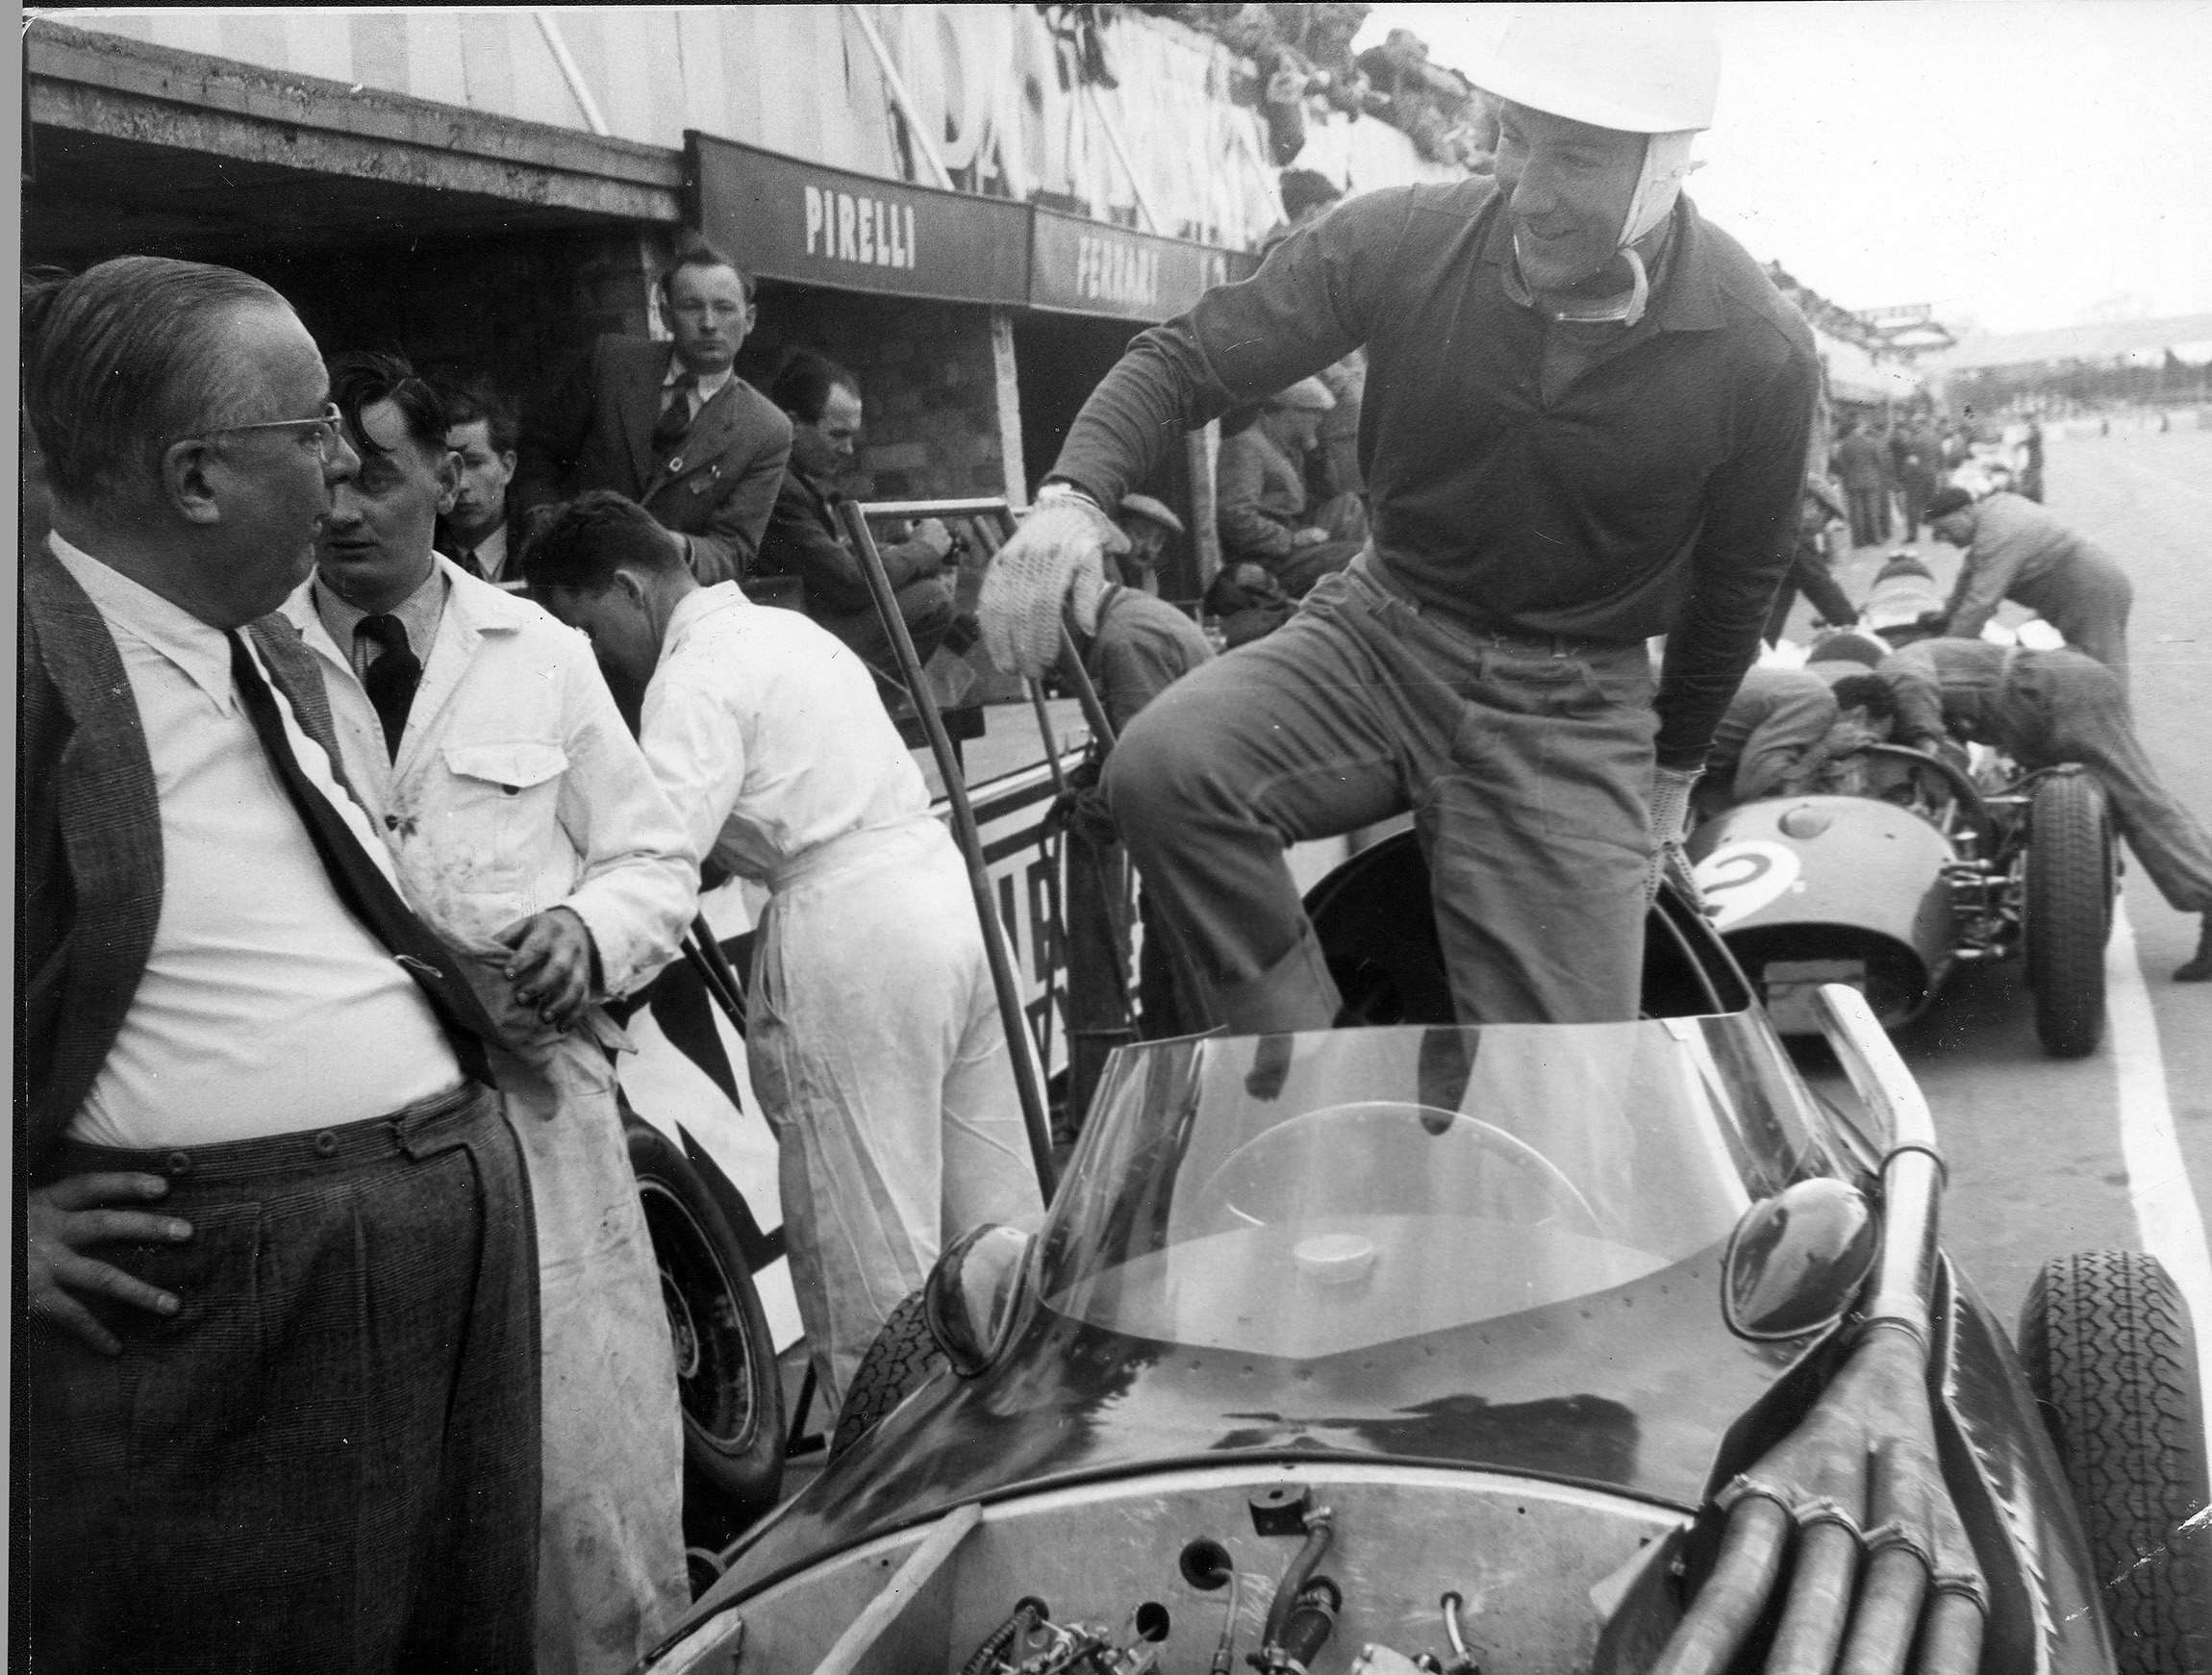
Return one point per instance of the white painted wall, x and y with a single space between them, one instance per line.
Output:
803 80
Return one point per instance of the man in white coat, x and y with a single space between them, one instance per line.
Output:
529 831
874 1040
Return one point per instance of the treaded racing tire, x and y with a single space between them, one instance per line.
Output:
2068 911
726 1374
2105 1340
898 1362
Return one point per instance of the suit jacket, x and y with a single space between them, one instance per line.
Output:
716 491
804 538
89 835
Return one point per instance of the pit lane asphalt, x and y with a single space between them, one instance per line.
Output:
2040 1150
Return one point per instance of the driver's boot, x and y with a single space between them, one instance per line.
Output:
2199 969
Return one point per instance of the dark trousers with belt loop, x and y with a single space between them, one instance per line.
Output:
1527 767
327 1458
2063 706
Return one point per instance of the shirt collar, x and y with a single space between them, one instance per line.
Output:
707 383
202 653
1686 297
694 608
417 612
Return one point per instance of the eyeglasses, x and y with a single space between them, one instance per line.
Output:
326 425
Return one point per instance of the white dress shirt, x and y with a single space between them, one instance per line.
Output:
769 735
266 1007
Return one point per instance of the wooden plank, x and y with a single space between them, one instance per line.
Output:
185 128
885 1609
487 61
1012 473
321 44
699 63
435 68
119 65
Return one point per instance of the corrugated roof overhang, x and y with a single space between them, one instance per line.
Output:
196 152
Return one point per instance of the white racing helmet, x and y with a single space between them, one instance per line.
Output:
1631 69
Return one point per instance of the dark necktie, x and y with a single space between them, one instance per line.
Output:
391 679
466 559
675 417
361 883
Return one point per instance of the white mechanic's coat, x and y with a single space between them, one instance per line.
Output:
517 789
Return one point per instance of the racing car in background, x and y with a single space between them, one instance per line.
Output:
1554 1349
1891 888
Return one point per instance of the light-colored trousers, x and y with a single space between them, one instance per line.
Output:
610 1575
1527 767
876 1050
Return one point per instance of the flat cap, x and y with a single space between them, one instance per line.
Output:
1145 507
1945 501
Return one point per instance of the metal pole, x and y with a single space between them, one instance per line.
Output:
558 45
705 956
916 128
1152 221
1078 679
971 840
1045 733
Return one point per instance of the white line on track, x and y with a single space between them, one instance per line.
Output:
2166 1210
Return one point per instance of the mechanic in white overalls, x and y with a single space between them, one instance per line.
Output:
528 831
874 1033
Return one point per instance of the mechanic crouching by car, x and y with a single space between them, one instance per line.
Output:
1768 742
2015 550
874 1040
1586 424
2043 707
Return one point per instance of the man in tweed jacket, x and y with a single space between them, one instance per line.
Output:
282 1347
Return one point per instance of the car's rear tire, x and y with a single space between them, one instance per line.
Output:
897 1364
2105 1341
2068 911
726 1373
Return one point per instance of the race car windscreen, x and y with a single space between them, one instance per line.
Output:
1309 1194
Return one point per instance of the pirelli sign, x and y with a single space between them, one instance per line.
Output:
802 222
799 221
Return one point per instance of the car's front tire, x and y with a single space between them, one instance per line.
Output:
2068 911
900 1360
2105 1341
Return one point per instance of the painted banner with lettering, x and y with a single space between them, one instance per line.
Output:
782 218
1089 267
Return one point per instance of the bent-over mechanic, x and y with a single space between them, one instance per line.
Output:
874 1039
2043 707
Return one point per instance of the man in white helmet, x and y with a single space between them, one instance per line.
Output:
1587 415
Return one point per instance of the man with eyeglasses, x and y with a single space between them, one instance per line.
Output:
671 425
278 1258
